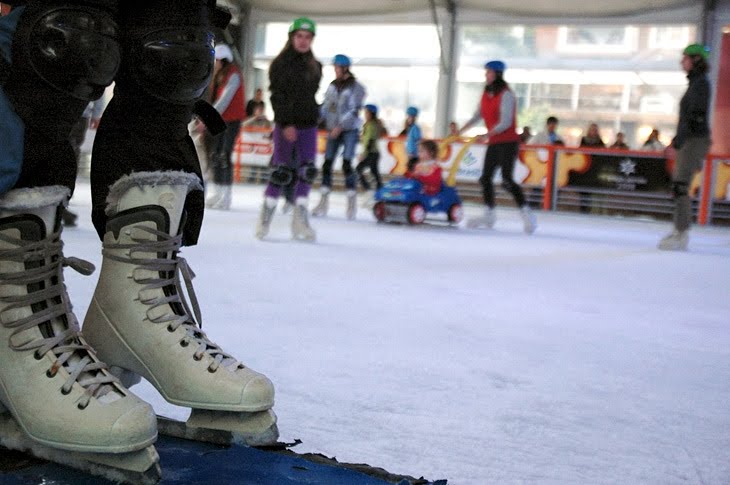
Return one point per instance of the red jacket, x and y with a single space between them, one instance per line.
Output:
490 112
236 110
429 176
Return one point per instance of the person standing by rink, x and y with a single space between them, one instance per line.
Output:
228 101
372 131
498 109
294 76
691 142
58 394
340 112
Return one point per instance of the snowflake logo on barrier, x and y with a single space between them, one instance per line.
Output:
627 167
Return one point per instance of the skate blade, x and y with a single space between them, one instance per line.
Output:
224 428
136 467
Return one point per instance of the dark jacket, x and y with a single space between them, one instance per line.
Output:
693 110
294 82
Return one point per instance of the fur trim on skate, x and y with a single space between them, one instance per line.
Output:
140 179
34 197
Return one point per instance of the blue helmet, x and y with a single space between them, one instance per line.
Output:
496 66
341 60
372 108
412 111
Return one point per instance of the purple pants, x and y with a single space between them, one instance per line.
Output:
298 155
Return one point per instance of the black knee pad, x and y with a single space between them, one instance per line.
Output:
282 175
73 48
308 173
63 56
680 189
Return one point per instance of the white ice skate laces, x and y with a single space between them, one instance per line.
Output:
168 304
42 265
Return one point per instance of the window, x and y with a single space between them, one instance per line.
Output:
670 36
597 40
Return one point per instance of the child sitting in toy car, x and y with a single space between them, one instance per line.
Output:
427 170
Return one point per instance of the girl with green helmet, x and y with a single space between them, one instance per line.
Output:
294 77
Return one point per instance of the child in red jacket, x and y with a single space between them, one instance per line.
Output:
427 170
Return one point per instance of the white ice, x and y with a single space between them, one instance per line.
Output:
580 354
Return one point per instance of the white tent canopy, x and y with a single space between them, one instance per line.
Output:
531 8
708 15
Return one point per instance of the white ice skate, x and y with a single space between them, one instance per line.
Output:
140 321
219 197
300 228
529 220
351 211
267 214
368 199
485 222
58 401
321 209
675 241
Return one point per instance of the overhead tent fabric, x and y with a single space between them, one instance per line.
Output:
526 8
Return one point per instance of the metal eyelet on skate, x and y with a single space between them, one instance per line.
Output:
184 343
197 357
82 406
212 371
65 392
170 329
37 355
50 374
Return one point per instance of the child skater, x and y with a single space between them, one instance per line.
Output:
427 170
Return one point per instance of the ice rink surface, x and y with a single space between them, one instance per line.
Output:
580 354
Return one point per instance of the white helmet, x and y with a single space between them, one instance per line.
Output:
222 51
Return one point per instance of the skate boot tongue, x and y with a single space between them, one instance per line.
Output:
154 252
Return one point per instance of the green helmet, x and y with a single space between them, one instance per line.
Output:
303 23
697 50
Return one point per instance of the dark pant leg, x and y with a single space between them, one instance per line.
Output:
374 169
491 160
49 97
412 161
361 176
350 177
145 126
508 155
222 167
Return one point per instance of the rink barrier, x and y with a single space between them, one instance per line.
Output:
547 173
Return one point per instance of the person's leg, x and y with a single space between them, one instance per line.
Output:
507 154
360 168
412 161
59 394
508 157
148 204
229 140
214 187
333 146
306 174
330 154
491 160
349 140
689 159
375 169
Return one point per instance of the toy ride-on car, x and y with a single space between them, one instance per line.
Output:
403 200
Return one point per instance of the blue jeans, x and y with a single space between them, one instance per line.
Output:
349 140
